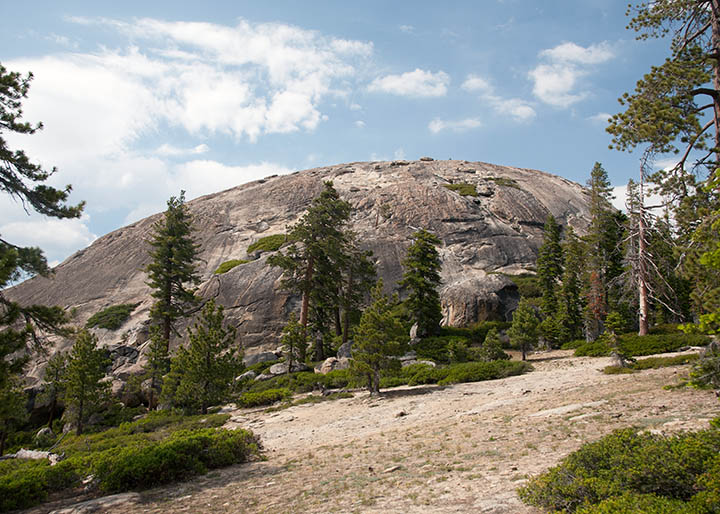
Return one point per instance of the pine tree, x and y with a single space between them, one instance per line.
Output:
550 267
12 409
171 275
570 314
209 364
24 181
358 279
293 341
312 264
605 258
85 389
491 349
54 383
523 332
377 338
422 279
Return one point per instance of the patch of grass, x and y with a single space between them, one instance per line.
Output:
268 243
228 265
312 399
462 188
507 182
527 285
112 317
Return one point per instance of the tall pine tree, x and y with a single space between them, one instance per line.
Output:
422 279
171 275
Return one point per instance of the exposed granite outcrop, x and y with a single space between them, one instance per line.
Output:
498 231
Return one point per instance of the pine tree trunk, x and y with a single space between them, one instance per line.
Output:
3 439
642 270
715 28
338 324
306 295
80 419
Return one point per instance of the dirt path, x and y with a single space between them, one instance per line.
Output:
431 449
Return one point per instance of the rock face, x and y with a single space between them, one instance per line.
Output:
497 231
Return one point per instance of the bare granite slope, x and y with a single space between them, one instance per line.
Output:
498 231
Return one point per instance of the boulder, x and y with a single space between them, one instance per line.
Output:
331 364
345 350
410 362
281 368
248 375
256 358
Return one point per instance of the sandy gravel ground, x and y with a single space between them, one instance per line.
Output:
462 448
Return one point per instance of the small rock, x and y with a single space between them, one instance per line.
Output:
399 163
345 350
426 159
391 469
401 414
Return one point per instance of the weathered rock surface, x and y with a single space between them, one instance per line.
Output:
498 231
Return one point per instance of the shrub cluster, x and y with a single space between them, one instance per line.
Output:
635 345
652 363
161 447
462 188
267 243
228 265
112 317
631 472
507 182
260 398
183 454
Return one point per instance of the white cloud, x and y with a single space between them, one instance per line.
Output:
600 118
170 150
57 238
477 84
438 125
557 78
399 154
355 107
407 29
516 108
360 124
570 52
418 83
620 193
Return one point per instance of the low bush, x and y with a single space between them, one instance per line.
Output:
267 397
611 473
267 243
184 454
112 317
24 483
651 363
528 285
438 348
597 348
504 181
228 265
633 344
637 346
462 188
573 345
479 371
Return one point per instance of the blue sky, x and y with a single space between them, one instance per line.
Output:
142 99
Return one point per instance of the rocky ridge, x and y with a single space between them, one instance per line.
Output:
483 237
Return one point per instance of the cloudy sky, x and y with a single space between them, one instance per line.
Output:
142 99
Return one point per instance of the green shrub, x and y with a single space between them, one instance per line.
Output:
527 285
260 398
705 373
462 189
618 370
573 345
633 344
507 182
644 503
338 379
24 483
437 348
626 463
228 265
664 362
425 374
267 243
112 317
597 348
184 454
479 371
